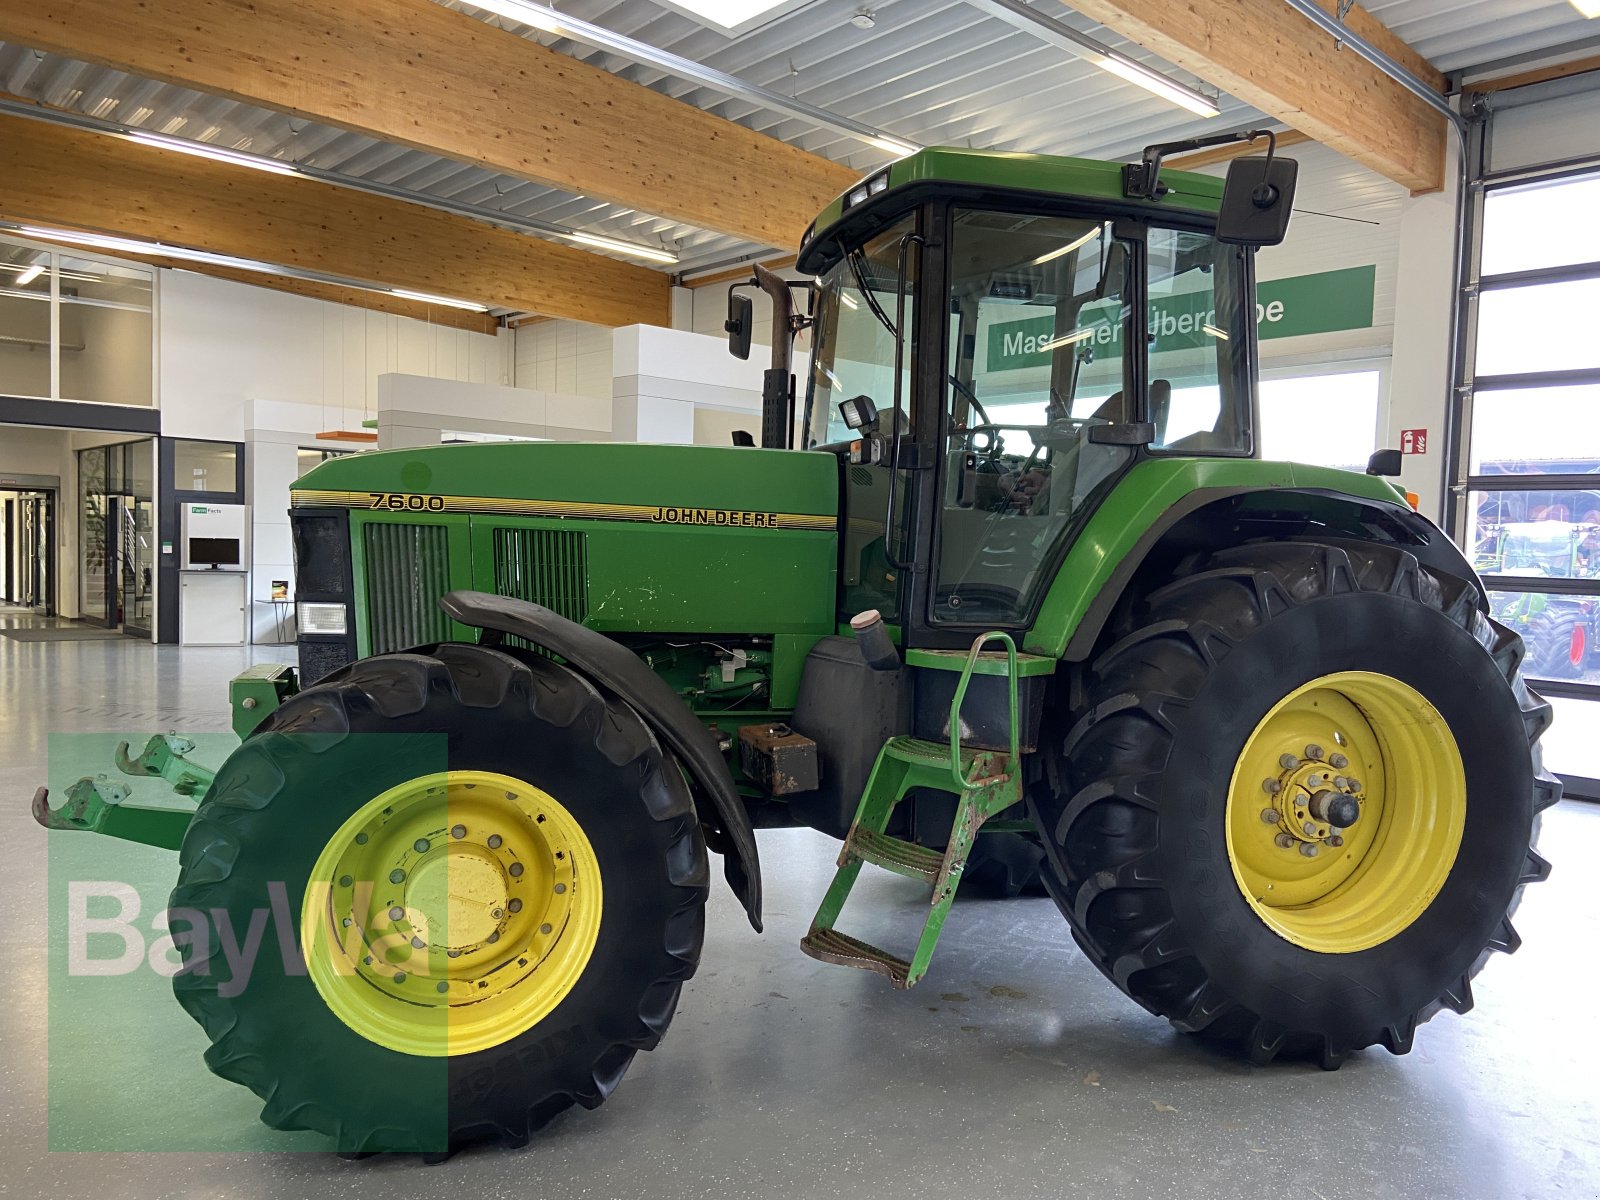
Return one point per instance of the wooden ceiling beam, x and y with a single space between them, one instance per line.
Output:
60 177
1270 56
421 75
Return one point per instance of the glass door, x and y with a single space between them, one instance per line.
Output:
96 543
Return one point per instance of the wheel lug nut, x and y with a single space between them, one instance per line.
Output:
1336 841
1340 782
1288 762
515 905
1313 751
1271 786
458 831
1353 784
494 841
1308 849
1271 816
1310 829
1284 841
1338 762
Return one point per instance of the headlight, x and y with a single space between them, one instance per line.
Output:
321 618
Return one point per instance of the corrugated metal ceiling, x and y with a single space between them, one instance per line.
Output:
934 71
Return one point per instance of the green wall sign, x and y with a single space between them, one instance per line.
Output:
1301 304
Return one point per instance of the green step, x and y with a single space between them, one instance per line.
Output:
984 783
831 946
925 754
893 854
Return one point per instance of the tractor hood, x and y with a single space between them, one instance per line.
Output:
681 538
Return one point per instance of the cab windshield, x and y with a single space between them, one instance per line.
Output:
854 351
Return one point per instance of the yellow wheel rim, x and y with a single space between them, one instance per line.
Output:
1352 743
451 913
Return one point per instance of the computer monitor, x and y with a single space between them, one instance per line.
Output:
214 552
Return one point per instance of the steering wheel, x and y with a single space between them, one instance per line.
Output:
992 448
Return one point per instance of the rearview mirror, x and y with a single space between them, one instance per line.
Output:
1385 462
741 319
1257 198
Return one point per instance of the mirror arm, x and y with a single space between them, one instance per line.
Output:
1142 180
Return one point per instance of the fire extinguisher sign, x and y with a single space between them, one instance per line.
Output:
1413 441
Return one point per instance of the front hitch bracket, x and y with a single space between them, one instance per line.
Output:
97 804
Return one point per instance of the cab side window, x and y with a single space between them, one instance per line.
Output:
1197 334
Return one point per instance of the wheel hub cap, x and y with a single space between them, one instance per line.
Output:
1345 811
451 913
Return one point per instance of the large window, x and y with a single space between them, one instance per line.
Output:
1329 419
1530 510
74 328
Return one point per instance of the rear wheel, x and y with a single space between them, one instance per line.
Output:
483 883
1297 803
1558 643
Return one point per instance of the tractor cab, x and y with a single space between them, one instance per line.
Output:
997 340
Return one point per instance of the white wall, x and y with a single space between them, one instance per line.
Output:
224 345
565 357
663 377
414 410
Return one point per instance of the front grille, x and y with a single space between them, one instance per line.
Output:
545 566
407 569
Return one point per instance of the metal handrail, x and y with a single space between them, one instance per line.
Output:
978 643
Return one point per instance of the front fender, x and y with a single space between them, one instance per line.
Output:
616 668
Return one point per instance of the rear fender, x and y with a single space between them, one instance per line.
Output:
617 669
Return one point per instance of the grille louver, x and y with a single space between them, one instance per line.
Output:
545 566
408 569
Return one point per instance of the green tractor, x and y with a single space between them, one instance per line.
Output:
1559 629
1023 606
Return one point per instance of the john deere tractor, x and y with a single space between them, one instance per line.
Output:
1004 596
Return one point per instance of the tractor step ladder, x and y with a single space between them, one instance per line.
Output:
984 783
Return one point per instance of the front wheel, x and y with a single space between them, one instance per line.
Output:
475 884
1297 803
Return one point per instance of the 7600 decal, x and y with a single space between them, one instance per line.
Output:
406 502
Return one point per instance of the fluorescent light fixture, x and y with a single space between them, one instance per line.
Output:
447 301
892 145
1068 248
258 162
729 14
29 274
1067 339
1215 332
1157 84
134 246
1019 15
648 253
1589 8
848 300
141 249
523 14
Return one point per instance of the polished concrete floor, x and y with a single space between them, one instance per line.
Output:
1013 1070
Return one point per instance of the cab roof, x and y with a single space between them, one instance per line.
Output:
885 194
